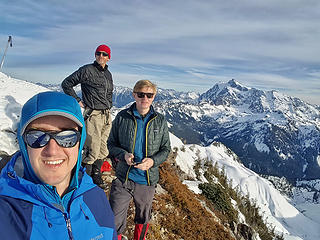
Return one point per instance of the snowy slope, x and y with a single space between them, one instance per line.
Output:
277 209
13 94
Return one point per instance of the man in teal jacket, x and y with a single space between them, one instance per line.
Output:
139 142
44 191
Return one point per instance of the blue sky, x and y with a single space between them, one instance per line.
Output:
180 44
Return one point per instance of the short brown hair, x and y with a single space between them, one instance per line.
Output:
144 83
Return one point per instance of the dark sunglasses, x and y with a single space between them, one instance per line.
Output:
38 139
103 54
142 94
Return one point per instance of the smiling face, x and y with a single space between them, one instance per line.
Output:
53 164
101 59
143 103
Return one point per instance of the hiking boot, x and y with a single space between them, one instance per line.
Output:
88 168
140 231
97 175
97 179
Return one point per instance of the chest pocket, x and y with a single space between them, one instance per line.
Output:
154 139
97 80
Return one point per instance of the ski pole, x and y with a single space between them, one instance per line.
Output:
5 51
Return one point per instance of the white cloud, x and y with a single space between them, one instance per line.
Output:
220 39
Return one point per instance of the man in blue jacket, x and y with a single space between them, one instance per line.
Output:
44 191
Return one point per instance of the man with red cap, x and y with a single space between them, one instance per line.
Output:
96 100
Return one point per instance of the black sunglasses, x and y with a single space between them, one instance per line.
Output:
38 139
103 54
142 94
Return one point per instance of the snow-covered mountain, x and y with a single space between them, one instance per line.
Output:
296 220
273 134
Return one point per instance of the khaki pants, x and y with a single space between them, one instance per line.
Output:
98 126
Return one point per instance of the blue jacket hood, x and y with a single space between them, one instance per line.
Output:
45 104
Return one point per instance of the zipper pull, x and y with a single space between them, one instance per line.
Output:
68 222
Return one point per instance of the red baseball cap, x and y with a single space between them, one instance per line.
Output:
104 48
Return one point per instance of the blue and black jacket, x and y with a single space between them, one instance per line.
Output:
31 209
122 140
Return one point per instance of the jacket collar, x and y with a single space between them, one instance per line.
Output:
99 67
152 112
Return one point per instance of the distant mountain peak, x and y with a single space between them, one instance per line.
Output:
235 84
225 93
